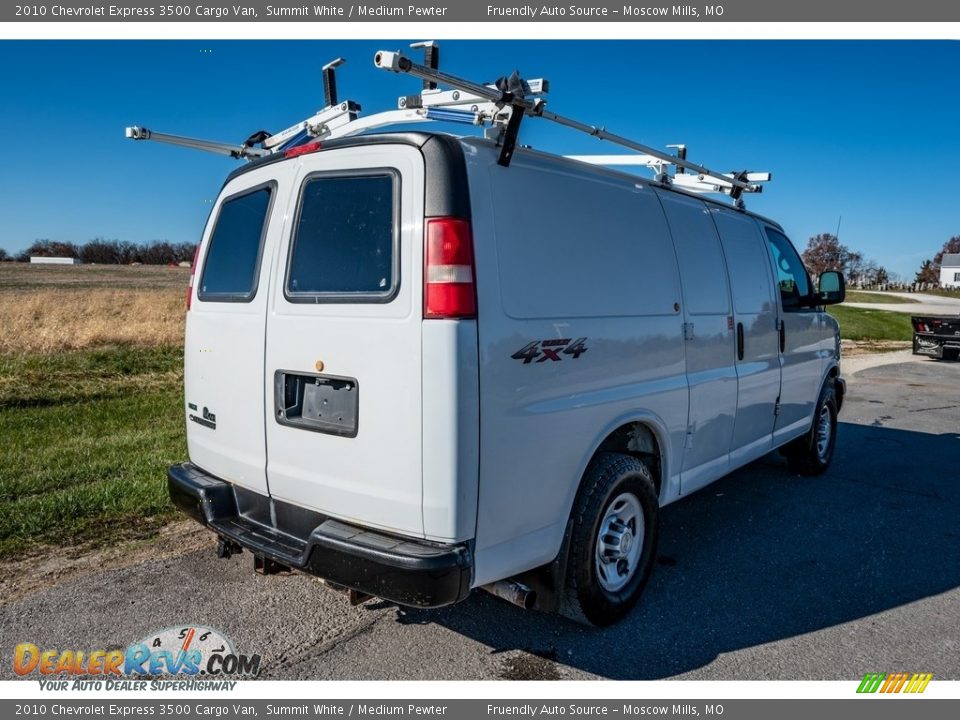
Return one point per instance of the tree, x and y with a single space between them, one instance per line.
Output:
930 269
100 252
927 273
3 255
951 246
825 252
50 248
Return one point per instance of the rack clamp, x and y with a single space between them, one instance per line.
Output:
513 89
736 190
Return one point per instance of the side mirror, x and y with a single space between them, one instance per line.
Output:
832 289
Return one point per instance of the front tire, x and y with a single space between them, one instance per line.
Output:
613 541
811 454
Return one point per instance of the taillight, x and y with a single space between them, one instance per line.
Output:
193 272
448 270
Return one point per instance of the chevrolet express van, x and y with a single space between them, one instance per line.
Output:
412 371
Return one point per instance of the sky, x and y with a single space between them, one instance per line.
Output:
864 130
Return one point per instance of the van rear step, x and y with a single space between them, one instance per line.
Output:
404 571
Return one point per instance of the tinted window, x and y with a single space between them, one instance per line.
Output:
344 239
702 267
791 274
232 264
747 262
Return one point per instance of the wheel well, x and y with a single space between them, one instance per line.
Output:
638 440
837 388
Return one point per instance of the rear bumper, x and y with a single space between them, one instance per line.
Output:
405 571
933 345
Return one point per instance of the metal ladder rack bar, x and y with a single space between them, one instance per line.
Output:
219 148
397 62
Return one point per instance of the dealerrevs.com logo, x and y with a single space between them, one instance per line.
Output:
200 658
902 682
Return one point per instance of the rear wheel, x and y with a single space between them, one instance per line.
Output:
811 454
613 539
951 353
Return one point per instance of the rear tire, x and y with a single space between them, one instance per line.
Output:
951 354
811 454
613 540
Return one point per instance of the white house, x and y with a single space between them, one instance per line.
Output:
950 271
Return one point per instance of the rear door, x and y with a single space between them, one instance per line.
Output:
343 372
223 354
756 339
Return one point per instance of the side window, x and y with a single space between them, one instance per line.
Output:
345 239
791 274
232 265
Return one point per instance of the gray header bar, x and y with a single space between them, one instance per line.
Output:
228 708
484 11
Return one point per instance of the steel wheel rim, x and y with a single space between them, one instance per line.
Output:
619 542
824 423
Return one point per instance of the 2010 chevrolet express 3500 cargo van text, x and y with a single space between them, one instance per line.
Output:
418 364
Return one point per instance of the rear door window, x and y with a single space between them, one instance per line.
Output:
344 246
232 265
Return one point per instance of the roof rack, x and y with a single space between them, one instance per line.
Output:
498 107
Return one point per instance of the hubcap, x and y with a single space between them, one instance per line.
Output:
824 423
619 542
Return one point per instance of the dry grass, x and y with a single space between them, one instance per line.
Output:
23 276
56 320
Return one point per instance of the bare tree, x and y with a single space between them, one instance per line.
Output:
825 252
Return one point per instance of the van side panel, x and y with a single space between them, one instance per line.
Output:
710 344
579 330
755 318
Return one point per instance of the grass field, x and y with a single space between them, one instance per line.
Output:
858 296
866 324
90 403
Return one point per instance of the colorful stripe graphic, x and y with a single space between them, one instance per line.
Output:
894 682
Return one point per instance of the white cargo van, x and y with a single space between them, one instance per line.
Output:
414 371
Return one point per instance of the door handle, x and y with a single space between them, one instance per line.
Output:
783 336
739 341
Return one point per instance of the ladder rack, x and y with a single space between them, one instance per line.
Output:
499 107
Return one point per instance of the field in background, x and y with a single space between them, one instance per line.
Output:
858 296
50 309
22 276
90 402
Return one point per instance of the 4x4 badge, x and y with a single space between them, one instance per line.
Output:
552 350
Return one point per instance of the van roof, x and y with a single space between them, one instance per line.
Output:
451 199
